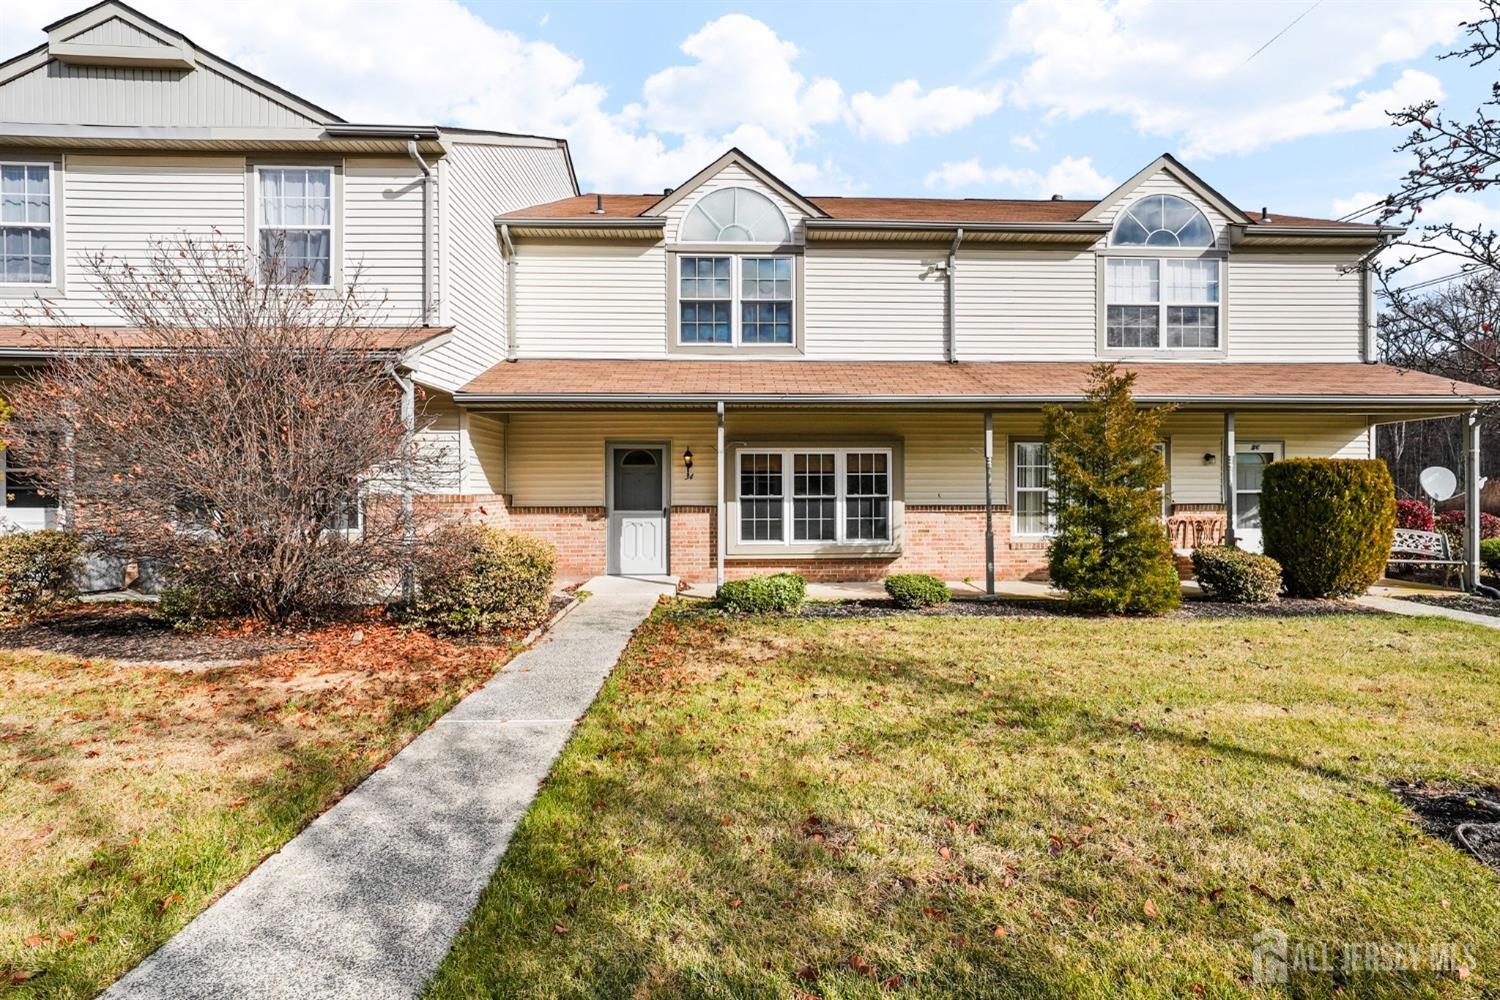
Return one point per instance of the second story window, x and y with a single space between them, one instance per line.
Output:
746 297
25 224
295 215
1165 293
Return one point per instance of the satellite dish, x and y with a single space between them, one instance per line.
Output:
1437 482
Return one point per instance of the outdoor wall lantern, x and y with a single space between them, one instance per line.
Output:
1208 458
687 463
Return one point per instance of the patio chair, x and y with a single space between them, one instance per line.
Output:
1411 547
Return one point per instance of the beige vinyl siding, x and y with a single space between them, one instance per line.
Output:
119 205
944 452
1194 435
382 234
484 454
1025 305
557 459
1293 307
733 175
874 304
440 442
591 299
116 31
66 94
478 181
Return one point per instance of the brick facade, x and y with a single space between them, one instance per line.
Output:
946 541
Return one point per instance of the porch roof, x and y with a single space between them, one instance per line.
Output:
988 383
51 341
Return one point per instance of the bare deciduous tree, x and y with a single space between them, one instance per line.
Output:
241 433
1454 156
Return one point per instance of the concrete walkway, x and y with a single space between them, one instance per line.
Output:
365 902
1415 610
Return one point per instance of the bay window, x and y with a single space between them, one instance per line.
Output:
817 495
295 222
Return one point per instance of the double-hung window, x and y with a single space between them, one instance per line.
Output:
1031 474
295 221
26 243
1147 297
745 300
735 296
23 487
815 496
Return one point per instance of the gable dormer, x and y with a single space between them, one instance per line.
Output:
734 200
112 66
1164 178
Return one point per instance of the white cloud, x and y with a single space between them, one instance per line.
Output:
906 110
1071 177
1184 71
436 61
742 74
1026 142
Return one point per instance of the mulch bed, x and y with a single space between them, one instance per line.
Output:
127 631
1036 608
1468 818
1459 602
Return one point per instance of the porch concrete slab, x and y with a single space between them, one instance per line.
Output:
1399 607
365 902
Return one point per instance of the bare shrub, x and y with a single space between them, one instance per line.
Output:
242 433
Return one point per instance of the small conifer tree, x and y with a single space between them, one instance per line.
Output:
1110 552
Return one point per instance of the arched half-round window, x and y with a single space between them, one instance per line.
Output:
735 215
1162 220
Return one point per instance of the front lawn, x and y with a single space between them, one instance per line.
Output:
131 797
959 807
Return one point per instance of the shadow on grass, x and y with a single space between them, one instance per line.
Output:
668 863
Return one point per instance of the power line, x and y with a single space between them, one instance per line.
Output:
1315 6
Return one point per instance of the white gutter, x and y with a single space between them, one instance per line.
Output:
508 251
1458 403
429 180
952 297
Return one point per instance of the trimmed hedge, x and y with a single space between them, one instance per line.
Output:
917 590
760 594
37 571
1329 523
483 580
1414 514
1232 574
1489 555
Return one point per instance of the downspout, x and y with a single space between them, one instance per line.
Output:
428 182
508 251
952 330
1368 315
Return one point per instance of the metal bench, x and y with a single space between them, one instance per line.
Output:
1411 547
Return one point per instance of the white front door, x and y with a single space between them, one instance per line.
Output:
1250 461
637 512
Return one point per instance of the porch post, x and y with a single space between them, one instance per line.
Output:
1471 505
408 513
989 503
719 527
1231 511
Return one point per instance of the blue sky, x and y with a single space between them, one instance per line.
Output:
969 100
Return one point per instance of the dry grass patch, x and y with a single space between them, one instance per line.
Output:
131 797
944 807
